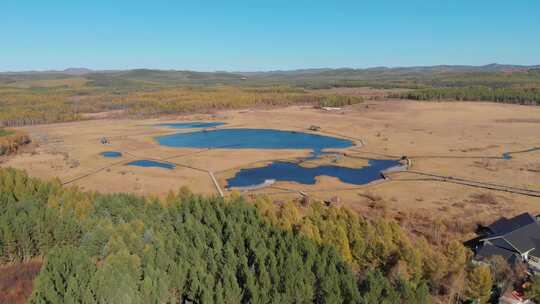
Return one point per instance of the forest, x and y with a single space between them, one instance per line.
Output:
26 107
477 93
518 87
123 248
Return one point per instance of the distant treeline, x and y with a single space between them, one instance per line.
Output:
477 93
42 98
339 100
27 107
124 248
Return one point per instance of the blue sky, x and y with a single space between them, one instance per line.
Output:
265 35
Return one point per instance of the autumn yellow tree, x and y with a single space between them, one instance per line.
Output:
479 283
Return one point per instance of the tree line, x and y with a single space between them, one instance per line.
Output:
477 93
339 100
27 107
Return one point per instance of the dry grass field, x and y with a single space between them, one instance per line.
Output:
460 139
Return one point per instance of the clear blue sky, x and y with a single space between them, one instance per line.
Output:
265 35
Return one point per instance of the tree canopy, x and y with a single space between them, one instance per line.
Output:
123 248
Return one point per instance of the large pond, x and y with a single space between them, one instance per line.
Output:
279 170
292 172
192 125
253 138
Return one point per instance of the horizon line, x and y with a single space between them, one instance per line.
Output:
92 70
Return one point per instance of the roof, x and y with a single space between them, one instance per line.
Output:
508 237
502 243
504 225
536 251
489 250
523 238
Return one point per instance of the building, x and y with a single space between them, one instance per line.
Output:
516 240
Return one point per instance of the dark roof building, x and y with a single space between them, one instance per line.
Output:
505 225
514 239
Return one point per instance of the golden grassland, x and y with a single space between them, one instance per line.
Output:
449 138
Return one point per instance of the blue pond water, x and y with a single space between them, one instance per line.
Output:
253 138
279 170
111 154
151 163
508 155
287 171
192 125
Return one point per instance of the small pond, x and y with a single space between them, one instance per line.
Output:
508 155
111 154
254 139
151 163
292 172
192 125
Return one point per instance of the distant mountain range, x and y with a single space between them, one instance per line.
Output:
68 71
306 78
494 67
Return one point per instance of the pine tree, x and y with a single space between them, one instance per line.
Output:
65 277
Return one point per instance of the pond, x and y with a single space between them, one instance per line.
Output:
151 163
254 139
245 138
191 125
508 155
111 154
292 172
